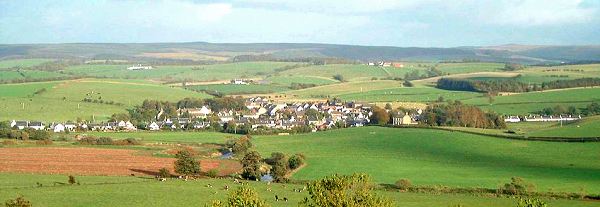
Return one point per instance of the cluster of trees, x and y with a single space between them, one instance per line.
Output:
458 114
513 67
107 141
432 71
100 101
26 134
511 85
281 164
590 110
298 86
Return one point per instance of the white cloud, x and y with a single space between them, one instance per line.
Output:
342 6
540 13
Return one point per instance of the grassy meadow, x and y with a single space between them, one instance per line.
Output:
135 191
234 89
23 63
63 100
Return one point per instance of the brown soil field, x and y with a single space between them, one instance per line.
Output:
95 161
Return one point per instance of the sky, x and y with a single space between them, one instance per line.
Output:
404 23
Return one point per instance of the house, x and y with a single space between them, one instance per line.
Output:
551 118
404 120
140 67
202 112
239 82
37 125
153 126
314 121
512 119
58 128
70 126
19 124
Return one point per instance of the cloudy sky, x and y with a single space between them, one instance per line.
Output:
424 23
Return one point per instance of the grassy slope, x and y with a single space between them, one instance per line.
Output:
231 89
456 68
184 137
344 88
202 73
410 94
131 191
50 106
352 72
526 103
588 127
23 62
287 80
429 157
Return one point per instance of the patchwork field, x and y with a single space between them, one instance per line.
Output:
588 127
233 89
426 157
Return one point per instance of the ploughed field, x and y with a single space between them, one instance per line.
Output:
94 161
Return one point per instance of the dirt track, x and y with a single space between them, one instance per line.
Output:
93 161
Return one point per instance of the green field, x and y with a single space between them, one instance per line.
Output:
234 89
179 73
24 63
409 94
350 72
62 100
527 103
456 68
133 191
432 157
588 127
426 157
287 80
334 90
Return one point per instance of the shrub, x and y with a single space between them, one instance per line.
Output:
186 164
128 141
9 142
403 184
241 197
44 142
164 173
213 173
531 202
339 77
104 141
517 186
72 180
18 202
296 161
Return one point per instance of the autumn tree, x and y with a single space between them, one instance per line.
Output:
342 190
186 164
18 202
380 116
251 164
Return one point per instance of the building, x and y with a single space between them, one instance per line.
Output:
153 126
239 82
58 128
512 119
140 67
404 120
37 125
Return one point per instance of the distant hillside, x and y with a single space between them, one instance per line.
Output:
220 52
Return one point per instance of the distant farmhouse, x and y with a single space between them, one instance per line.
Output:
386 64
240 82
140 67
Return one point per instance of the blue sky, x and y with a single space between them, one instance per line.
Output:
424 23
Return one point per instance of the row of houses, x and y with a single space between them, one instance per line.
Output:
386 64
538 118
72 126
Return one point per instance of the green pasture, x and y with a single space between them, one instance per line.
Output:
587 127
457 68
233 89
350 72
287 80
409 94
167 136
333 90
63 100
23 63
434 157
141 191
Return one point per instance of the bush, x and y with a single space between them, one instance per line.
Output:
9 142
44 142
517 186
18 202
532 202
296 161
72 180
104 141
213 173
164 173
339 78
403 184
186 164
128 141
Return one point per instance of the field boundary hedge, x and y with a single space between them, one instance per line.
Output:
514 137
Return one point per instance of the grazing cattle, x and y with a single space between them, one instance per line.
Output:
285 199
276 198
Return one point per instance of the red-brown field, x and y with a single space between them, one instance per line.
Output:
94 161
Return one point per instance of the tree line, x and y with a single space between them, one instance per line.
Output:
460 115
511 85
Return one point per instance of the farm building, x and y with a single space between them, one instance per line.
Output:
551 118
140 67
512 119
404 120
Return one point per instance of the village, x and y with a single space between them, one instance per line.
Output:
263 114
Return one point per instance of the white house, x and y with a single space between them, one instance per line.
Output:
37 125
140 67
153 126
71 126
58 128
239 82
512 119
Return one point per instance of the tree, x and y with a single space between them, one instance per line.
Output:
339 77
403 184
186 164
251 164
380 116
296 161
72 180
407 83
342 190
18 202
242 197
279 162
241 145
517 186
164 173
